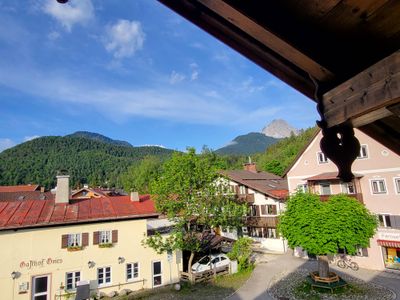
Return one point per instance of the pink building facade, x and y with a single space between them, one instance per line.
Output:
376 185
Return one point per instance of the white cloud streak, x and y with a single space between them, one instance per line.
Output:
71 13
176 77
124 38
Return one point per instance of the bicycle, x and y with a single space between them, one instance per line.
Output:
345 262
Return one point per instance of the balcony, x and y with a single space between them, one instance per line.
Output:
358 197
262 221
248 198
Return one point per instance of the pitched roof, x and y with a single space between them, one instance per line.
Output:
263 182
33 213
19 188
31 195
328 176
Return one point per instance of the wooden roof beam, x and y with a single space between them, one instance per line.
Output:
364 98
269 39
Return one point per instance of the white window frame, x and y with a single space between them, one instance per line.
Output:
156 275
74 240
74 280
384 216
345 188
106 234
396 182
360 155
302 187
105 283
320 188
242 190
321 158
372 186
134 275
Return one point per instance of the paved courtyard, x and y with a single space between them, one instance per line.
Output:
271 268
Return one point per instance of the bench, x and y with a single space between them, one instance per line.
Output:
326 285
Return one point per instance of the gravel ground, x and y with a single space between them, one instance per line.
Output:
285 286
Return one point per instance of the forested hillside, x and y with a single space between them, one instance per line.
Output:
279 156
86 160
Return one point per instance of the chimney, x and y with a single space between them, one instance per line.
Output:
62 192
251 167
135 197
42 189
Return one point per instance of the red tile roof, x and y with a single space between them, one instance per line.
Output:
19 188
18 196
38 213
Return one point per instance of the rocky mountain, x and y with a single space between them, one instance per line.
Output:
279 129
99 137
253 142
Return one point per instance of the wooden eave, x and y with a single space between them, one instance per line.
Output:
330 43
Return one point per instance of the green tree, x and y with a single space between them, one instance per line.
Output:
241 252
190 193
139 176
321 228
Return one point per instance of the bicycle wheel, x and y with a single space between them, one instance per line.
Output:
354 266
341 264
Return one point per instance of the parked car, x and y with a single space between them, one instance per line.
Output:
219 261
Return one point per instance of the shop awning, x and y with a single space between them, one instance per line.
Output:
390 244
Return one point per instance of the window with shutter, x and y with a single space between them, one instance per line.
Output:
96 237
257 210
64 241
263 209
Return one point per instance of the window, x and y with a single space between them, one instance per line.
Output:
268 209
303 187
74 240
325 188
384 221
397 185
104 276
378 186
348 188
157 278
71 278
105 237
242 190
132 271
41 287
322 159
363 152
363 252
253 210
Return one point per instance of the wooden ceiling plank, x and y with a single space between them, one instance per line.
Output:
374 88
268 39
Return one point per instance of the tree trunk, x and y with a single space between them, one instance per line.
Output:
190 267
323 266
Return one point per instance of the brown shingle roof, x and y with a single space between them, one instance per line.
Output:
19 188
31 195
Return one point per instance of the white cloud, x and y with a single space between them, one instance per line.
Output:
71 13
53 35
124 38
29 138
176 77
6 143
195 72
250 87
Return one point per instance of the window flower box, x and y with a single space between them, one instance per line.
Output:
74 248
105 245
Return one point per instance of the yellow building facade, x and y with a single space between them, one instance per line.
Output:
35 264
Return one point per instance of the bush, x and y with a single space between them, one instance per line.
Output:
241 252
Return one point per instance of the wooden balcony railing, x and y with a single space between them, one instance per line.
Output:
262 221
358 197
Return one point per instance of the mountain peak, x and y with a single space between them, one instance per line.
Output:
279 128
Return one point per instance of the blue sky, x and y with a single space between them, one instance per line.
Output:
130 70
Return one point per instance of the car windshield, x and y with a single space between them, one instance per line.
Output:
205 260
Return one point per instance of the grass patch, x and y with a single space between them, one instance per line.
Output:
219 288
304 291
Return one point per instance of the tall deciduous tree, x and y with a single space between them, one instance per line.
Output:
189 192
139 176
321 228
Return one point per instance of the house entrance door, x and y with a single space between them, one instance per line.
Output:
41 287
